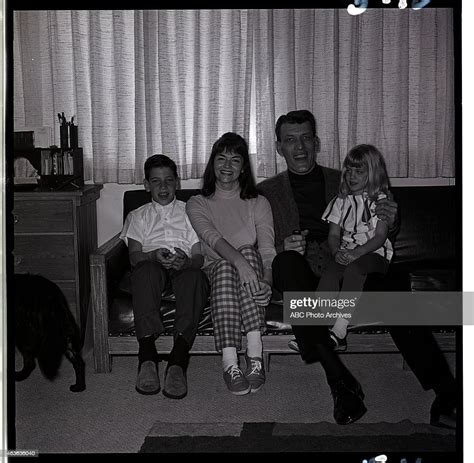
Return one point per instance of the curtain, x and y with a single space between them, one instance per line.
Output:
138 83
385 77
171 82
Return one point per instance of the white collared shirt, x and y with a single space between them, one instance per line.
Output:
156 226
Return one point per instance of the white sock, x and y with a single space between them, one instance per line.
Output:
229 357
254 344
340 328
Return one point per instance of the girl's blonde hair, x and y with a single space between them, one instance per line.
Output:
377 178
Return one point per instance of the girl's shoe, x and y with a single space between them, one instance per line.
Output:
254 372
340 344
236 381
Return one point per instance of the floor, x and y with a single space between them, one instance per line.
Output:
110 416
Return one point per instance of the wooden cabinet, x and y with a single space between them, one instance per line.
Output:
55 232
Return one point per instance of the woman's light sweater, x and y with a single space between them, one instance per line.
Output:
240 222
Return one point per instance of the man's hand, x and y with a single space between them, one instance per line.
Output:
386 210
296 242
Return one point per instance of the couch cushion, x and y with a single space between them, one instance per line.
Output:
424 257
121 321
428 224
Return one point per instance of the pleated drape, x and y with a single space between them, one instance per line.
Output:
385 77
138 83
147 82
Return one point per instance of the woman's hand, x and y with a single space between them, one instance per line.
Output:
263 295
247 275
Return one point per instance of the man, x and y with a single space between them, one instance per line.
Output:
298 198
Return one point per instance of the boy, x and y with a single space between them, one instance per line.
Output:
163 248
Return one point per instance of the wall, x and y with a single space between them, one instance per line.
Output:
109 206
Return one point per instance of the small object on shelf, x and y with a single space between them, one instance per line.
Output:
64 137
24 172
73 138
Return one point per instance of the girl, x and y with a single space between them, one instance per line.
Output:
357 237
235 225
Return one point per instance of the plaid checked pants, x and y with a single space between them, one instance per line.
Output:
232 309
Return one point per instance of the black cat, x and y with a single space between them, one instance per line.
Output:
45 329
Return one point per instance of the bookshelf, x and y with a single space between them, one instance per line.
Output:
57 167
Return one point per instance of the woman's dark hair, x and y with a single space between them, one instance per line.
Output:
232 143
159 160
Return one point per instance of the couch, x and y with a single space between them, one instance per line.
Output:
425 259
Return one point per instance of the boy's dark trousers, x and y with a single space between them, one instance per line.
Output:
191 289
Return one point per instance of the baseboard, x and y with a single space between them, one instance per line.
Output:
358 343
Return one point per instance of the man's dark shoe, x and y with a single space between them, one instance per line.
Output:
443 413
340 344
348 401
175 382
148 382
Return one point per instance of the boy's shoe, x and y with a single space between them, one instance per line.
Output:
175 382
148 382
235 381
255 373
340 344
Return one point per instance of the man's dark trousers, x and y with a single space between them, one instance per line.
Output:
291 272
417 345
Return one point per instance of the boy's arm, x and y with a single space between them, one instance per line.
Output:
381 233
136 255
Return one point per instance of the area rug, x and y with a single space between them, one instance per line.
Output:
257 437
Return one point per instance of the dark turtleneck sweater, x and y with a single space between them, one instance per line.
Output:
309 195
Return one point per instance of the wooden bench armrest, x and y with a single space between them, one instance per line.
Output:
107 265
109 251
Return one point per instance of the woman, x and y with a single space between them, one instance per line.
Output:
235 226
